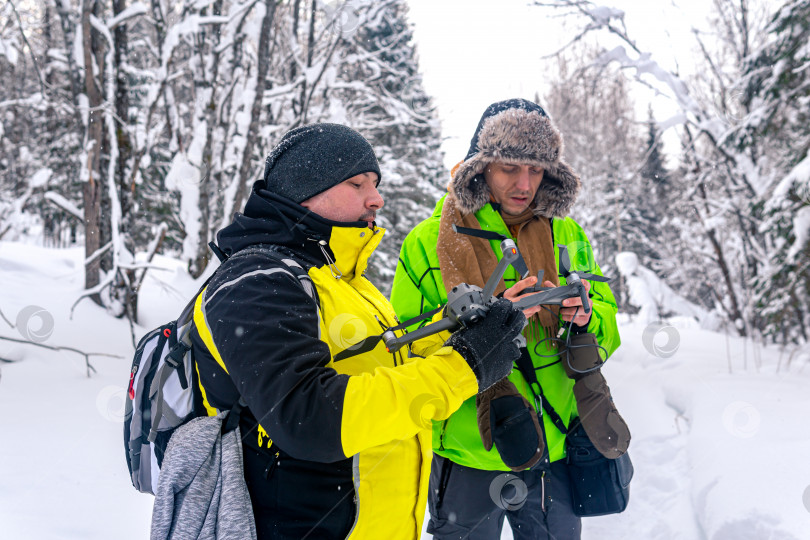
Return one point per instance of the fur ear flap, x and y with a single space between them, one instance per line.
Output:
557 192
469 187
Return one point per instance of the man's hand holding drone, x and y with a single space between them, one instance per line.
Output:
570 311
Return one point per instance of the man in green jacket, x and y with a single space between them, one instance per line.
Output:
513 183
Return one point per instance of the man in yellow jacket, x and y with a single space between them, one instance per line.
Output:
332 448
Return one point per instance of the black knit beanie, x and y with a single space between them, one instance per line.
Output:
311 159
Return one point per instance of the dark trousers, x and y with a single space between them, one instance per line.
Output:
296 500
471 504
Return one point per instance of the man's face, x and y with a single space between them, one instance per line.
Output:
513 186
355 199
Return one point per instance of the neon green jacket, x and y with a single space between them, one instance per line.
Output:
418 288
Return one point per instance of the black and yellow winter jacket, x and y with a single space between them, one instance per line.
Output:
259 335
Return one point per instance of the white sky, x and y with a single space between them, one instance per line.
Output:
475 52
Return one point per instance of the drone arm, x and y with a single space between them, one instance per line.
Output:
510 254
394 343
552 296
583 295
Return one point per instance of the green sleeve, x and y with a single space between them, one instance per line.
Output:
418 286
603 319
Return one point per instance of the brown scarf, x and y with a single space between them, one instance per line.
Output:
467 259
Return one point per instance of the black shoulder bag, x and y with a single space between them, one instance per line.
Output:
599 485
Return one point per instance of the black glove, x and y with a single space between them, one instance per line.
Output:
488 345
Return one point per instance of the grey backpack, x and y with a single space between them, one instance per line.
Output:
160 396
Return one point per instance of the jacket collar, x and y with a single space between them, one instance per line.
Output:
352 247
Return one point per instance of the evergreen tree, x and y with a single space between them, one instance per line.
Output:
174 122
396 115
653 168
777 90
591 106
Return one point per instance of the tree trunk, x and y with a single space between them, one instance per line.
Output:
93 183
256 109
207 85
124 179
734 311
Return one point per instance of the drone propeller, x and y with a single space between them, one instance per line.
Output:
363 346
593 277
518 263
565 261
565 267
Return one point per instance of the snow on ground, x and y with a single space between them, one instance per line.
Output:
720 435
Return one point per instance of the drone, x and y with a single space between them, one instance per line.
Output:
555 295
467 304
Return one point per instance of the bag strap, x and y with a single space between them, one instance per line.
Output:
221 255
185 318
524 365
233 416
291 265
519 264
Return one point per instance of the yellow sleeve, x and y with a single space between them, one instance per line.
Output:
396 403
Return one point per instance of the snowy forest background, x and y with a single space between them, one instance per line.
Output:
131 131
136 128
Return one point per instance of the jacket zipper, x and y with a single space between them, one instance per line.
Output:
441 434
543 492
271 466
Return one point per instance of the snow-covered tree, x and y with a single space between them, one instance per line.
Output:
592 107
381 94
777 129
726 179
164 112
654 170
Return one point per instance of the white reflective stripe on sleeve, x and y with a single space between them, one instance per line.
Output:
245 276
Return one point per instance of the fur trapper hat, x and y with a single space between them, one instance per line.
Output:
517 131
